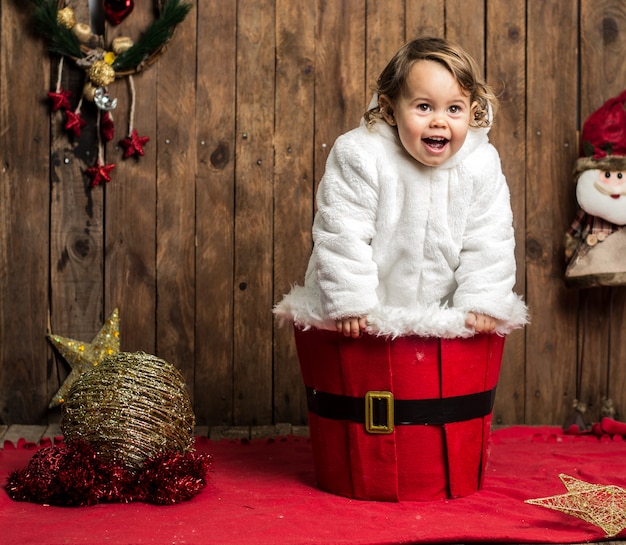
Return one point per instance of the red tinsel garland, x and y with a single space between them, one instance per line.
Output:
72 475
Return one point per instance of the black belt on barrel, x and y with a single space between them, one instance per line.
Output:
379 411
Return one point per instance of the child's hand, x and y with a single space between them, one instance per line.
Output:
351 327
482 323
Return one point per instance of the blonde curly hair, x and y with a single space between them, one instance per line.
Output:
462 66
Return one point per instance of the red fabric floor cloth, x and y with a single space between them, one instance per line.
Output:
263 492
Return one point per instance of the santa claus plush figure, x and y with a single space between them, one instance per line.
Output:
595 243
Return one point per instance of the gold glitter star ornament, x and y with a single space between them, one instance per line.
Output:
601 505
82 356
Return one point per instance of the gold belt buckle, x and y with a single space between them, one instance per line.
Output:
370 398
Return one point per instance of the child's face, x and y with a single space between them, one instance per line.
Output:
432 114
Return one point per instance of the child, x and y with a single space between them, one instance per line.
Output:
413 233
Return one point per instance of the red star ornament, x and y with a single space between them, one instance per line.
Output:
133 144
99 173
107 127
74 122
60 99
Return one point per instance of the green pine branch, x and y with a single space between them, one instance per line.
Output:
62 41
155 37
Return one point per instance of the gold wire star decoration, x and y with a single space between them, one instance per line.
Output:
601 505
82 356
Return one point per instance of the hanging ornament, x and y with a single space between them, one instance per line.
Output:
66 17
133 144
74 122
117 10
99 173
60 99
103 65
103 100
101 73
121 44
82 32
107 127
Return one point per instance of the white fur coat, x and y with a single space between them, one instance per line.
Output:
413 248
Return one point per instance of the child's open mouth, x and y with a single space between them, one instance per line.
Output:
435 144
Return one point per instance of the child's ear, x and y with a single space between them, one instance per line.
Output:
473 109
386 109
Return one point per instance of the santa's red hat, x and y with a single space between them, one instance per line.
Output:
603 138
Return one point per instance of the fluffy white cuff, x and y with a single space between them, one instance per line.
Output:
426 321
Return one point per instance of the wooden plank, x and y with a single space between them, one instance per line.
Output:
602 50
215 203
424 18
76 230
253 214
385 26
276 430
175 227
300 431
293 187
201 431
550 135
30 433
616 379
339 82
130 207
463 18
52 432
593 336
217 433
602 77
505 67
24 217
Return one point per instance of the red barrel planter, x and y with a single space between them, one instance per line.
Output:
399 419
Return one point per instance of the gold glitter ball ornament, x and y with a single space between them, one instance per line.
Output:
131 407
66 17
101 74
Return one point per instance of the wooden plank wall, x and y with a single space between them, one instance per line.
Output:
195 241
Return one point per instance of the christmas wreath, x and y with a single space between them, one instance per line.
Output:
103 65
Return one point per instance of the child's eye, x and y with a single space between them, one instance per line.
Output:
455 109
423 107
